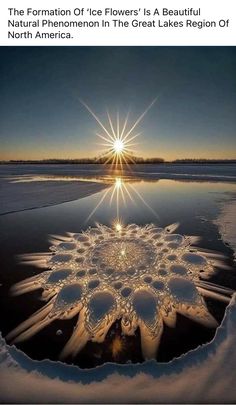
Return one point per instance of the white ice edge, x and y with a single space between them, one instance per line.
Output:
16 197
226 224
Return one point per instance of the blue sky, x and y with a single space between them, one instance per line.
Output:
41 115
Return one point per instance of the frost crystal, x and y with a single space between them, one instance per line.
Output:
140 275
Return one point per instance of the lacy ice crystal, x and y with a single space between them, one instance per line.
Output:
140 275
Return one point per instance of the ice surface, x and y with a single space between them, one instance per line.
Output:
109 275
16 197
226 223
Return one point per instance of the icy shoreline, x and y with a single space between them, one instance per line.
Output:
226 224
21 196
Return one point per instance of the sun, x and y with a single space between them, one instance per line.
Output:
118 227
118 182
118 146
118 138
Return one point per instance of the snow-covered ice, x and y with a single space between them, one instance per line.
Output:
19 196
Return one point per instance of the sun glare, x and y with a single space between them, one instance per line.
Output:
118 138
118 182
118 227
118 146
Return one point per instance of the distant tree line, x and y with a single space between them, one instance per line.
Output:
135 160
204 161
99 160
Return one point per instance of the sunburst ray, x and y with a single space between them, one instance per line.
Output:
118 139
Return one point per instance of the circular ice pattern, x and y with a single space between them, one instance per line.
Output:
141 275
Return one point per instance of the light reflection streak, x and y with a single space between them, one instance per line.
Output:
118 194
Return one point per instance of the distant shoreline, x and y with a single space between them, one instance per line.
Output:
157 161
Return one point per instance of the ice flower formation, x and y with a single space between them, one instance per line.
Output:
142 275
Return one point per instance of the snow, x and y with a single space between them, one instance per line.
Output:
18 196
226 224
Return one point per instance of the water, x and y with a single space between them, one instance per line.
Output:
193 204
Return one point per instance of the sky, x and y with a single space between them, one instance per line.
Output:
41 114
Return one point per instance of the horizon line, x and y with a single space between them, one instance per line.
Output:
100 160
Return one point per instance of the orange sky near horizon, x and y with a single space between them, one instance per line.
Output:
40 153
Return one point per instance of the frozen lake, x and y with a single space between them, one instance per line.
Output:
70 198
